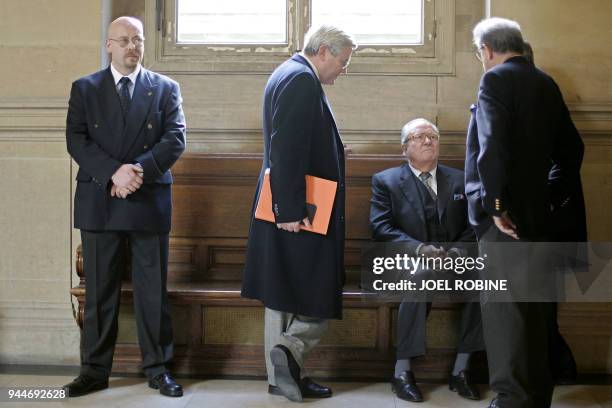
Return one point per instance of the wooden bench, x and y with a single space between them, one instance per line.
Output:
219 333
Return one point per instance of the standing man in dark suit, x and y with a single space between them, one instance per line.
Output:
125 129
521 128
299 275
423 203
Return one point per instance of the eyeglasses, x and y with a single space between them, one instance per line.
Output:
124 41
420 137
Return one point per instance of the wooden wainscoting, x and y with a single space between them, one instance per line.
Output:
219 333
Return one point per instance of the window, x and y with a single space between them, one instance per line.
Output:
231 22
381 22
397 37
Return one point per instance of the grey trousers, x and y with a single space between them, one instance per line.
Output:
300 334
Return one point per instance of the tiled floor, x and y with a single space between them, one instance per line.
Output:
134 393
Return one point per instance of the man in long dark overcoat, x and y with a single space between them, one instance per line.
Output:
299 275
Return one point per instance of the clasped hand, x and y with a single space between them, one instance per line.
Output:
126 180
431 251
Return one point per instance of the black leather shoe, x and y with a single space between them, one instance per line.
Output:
463 385
311 389
83 385
166 385
405 387
308 387
286 372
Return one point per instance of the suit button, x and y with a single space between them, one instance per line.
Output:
96 125
145 147
342 218
341 185
150 126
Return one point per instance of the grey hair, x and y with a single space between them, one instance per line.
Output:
410 127
332 37
499 34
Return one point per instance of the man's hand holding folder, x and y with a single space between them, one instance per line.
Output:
294 226
320 196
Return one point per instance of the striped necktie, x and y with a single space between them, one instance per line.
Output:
424 177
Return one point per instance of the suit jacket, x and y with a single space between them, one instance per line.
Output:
100 141
396 210
298 273
522 127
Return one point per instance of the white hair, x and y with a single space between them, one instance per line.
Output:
411 126
332 37
499 34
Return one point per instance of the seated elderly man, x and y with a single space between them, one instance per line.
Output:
423 203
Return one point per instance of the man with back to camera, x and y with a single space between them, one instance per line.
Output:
569 225
125 129
299 275
521 128
422 203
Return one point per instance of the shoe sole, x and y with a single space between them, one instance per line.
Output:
276 391
316 396
284 380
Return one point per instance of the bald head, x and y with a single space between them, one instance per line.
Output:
125 43
124 22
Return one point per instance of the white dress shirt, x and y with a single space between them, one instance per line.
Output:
118 75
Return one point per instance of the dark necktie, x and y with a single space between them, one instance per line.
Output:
124 95
424 177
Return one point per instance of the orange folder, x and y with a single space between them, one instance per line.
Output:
319 192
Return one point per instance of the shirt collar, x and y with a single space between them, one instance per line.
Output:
118 75
311 65
418 172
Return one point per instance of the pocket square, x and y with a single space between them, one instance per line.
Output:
457 197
